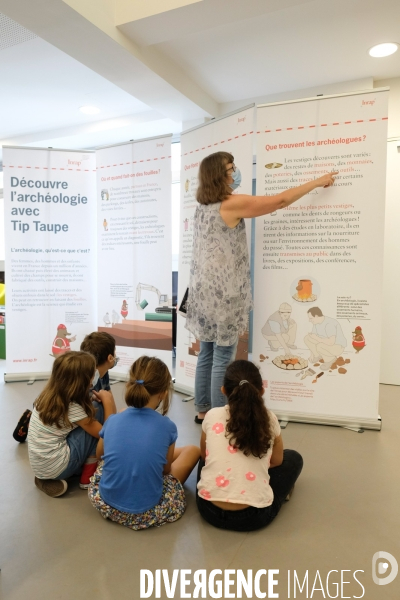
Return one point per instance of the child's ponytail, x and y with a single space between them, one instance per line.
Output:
148 376
248 427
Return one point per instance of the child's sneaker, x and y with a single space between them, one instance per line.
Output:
88 471
21 431
52 487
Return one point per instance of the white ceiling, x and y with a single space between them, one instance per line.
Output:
43 88
199 57
299 46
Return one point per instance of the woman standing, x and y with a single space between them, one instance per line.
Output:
219 291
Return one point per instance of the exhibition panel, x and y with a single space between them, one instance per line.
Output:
50 229
318 263
134 249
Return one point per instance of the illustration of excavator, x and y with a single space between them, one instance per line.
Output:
165 303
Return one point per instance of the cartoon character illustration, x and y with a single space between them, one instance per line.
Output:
280 330
105 195
326 340
187 183
358 342
186 224
124 309
61 343
105 225
106 319
115 317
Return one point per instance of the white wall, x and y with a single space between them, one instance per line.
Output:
394 104
390 372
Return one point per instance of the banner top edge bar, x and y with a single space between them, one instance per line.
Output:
49 149
234 112
313 98
154 137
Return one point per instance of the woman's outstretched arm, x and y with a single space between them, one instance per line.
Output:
241 206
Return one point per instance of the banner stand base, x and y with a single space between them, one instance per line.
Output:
30 378
357 424
184 389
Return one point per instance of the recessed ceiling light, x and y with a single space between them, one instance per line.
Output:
90 110
382 50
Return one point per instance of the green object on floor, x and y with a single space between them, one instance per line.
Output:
158 317
2 341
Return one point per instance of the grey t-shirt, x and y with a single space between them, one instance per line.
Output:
328 328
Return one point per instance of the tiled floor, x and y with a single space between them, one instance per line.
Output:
344 509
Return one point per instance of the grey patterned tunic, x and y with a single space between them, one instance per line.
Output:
219 290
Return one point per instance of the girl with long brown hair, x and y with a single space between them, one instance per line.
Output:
65 424
245 475
138 484
219 289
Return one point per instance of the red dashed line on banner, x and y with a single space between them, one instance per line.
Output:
134 162
322 125
217 143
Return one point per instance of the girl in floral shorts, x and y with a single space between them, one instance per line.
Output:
138 482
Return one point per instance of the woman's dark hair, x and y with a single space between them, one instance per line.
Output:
248 426
148 376
213 186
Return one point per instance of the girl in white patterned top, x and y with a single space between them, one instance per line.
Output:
65 424
245 475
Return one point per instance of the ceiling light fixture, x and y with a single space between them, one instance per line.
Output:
90 110
382 50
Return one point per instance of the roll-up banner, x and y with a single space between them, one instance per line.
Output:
50 235
134 249
318 262
232 133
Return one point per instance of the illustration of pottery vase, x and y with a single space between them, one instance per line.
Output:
304 289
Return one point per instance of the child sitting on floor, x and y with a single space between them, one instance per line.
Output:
139 484
102 345
245 475
65 424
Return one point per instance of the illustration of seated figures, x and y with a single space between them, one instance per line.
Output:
280 330
326 340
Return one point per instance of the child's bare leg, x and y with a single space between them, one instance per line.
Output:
185 460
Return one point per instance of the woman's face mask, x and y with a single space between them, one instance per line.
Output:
237 179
